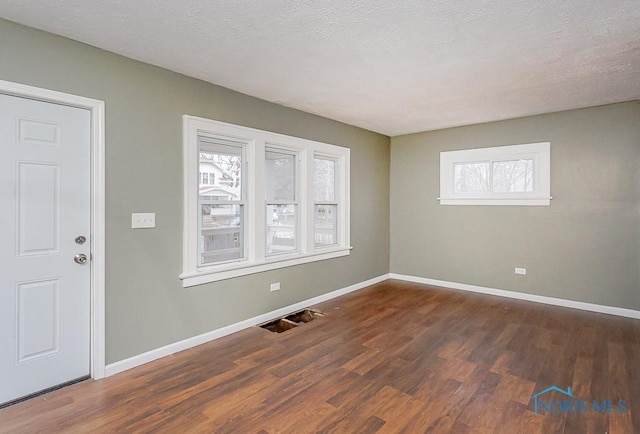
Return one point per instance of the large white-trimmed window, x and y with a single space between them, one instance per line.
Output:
502 175
256 201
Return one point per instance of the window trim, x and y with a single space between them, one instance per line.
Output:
539 152
256 260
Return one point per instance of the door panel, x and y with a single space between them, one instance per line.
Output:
38 319
38 205
44 205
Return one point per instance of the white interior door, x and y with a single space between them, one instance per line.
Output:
45 192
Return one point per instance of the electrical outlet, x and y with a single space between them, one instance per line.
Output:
521 271
143 220
275 286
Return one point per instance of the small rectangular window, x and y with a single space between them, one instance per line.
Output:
503 175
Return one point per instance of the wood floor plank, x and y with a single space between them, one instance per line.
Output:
394 357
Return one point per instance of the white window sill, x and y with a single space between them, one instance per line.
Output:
237 269
530 201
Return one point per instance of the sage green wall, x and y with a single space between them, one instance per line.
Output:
583 247
146 304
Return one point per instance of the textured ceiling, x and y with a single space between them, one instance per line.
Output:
391 66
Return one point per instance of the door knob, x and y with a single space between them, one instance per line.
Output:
80 258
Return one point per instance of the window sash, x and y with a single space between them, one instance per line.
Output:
223 241
321 232
284 231
331 193
270 184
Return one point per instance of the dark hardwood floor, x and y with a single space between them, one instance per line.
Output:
394 357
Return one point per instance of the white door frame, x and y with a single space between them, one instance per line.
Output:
96 107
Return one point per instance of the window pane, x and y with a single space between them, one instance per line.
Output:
220 168
324 180
515 176
471 177
280 169
282 222
222 229
326 233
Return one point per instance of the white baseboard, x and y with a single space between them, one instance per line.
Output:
175 347
611 310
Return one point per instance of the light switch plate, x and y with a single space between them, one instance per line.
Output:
143 220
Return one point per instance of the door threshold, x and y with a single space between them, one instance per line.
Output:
44 391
